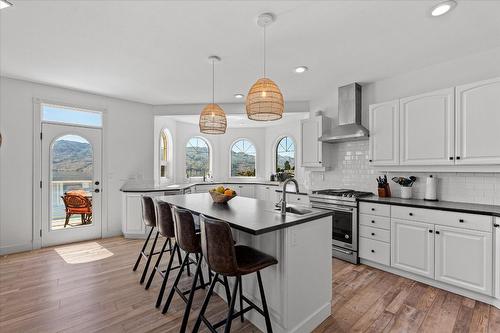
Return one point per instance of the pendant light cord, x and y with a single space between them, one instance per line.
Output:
264 51
213 81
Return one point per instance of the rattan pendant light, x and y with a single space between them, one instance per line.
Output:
264 100
212 118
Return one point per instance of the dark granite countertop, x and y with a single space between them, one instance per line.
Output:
246 214
441 205
150 186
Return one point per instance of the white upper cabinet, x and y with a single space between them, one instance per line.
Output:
464 258
312 149
384 133
478 123
427 128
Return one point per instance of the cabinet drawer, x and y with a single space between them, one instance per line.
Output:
375 233
297 199
374 250
375 221
374 209
451 219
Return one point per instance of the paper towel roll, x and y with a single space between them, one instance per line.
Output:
431 189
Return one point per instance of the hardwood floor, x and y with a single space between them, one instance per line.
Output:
90 287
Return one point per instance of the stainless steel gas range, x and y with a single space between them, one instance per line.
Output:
344 205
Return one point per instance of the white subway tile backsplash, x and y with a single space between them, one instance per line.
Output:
350 168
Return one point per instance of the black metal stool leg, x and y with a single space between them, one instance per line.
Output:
199 259
145 272
241 299
142 251
153 272
189 303
165 278
228 294
172 291
229 320
205 303
269 328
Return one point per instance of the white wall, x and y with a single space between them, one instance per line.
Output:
127 135
350 160
264 140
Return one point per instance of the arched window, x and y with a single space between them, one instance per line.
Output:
163 154
197 158
243 159
285 155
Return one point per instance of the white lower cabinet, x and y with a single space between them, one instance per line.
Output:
497 257
244 190
412 247
464 258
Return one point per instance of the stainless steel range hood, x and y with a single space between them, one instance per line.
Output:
349 128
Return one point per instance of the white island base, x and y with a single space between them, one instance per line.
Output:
299 288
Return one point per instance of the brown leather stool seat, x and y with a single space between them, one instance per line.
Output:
250 260
227 259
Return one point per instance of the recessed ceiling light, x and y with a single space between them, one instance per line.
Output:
443 7
301 69
239 96
4 4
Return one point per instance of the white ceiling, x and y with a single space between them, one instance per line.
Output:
156 51
242 121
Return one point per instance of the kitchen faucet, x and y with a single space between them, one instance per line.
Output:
283 198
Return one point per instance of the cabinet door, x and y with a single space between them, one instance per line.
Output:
384 133
427 128
464 258
263 192
478 123
245 191
312 149
412 247
497 257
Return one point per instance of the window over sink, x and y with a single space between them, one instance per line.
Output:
197 158
243 158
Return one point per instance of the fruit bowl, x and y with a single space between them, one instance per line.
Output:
220 198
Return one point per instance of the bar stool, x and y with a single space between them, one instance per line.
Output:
149 220
165 224
227 259
188 239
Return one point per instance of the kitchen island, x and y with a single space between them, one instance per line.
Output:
299 288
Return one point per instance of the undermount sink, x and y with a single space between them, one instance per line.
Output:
296 210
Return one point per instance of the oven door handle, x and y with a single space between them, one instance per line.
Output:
342 251
332 207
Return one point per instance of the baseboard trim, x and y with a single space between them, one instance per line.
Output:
16 248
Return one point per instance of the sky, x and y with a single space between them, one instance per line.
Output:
71 116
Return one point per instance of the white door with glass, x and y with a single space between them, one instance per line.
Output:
71 183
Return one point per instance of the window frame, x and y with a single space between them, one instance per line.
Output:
165 139
275 152
209 157
70 108
231 159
